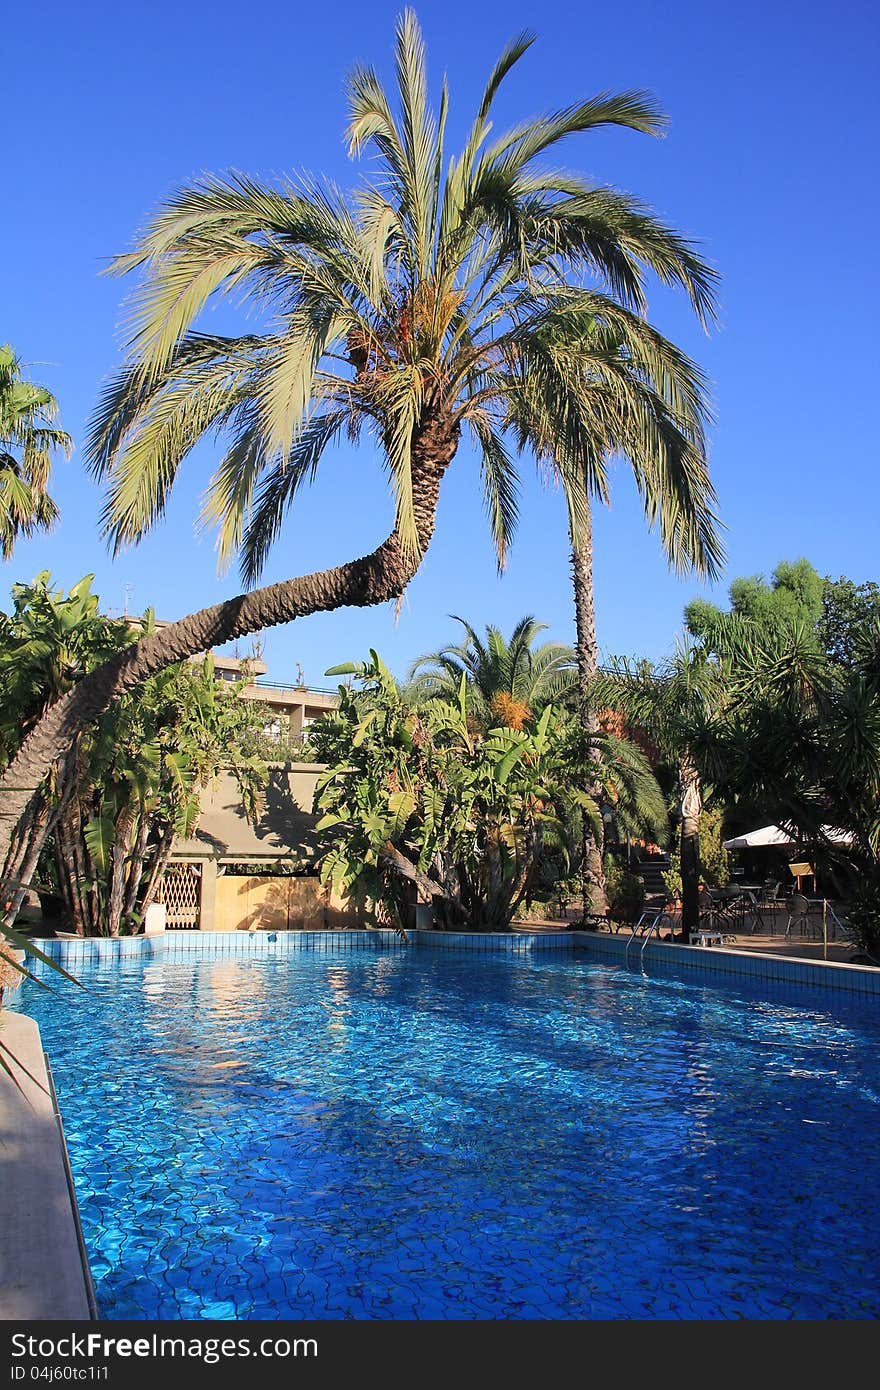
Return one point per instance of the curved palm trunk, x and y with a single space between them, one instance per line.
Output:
375 578
587 652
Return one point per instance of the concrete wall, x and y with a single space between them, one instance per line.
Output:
235 902
271 903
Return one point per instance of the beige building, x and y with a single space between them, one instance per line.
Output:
233 876
293 707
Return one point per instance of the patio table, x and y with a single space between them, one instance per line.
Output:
732 905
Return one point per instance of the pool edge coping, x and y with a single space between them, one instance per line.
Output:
44 1274
836 976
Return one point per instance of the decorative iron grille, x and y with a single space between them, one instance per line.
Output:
181 892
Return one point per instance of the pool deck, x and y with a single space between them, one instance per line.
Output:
797 947
42 1275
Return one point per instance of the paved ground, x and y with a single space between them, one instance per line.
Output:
806 947
41 1268
801 946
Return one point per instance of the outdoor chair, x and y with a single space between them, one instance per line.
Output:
745 908
798 914
772 902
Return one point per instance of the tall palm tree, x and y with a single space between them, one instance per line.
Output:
680 705
508 681
631 415
425 302
28 439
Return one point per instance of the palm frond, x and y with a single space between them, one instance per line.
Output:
279 487
500 484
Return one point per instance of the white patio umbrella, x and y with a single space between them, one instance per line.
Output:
775 835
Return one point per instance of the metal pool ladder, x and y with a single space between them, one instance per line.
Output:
648 923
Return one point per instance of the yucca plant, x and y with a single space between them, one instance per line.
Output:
443 294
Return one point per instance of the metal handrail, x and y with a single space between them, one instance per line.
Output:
265 683
633 934
655 926
643 928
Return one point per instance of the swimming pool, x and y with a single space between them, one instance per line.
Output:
426 1135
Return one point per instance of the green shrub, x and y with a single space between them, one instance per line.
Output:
714 858
672 876
625 890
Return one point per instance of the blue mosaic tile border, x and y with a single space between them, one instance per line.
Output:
180 945
754 965
494 943
212 945
83 951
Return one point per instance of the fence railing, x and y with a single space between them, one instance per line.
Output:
263 683
275 747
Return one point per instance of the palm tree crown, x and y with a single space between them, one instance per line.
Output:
481 290
507 681
28 439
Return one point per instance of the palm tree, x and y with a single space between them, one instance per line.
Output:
508 681
674 705
28 439
632 414
684 706
425 302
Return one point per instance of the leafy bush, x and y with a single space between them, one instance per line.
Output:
863 918
672 876
626 891
714 858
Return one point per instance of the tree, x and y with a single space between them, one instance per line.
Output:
130 784
764 716
418 306
143 768
508 681
713 857
795 594
677 704
418 794
849 612
47 643
28 439
838 613
651 408
800 733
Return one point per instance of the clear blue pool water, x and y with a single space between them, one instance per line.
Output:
421 1135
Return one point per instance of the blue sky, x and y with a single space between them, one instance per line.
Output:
770 163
